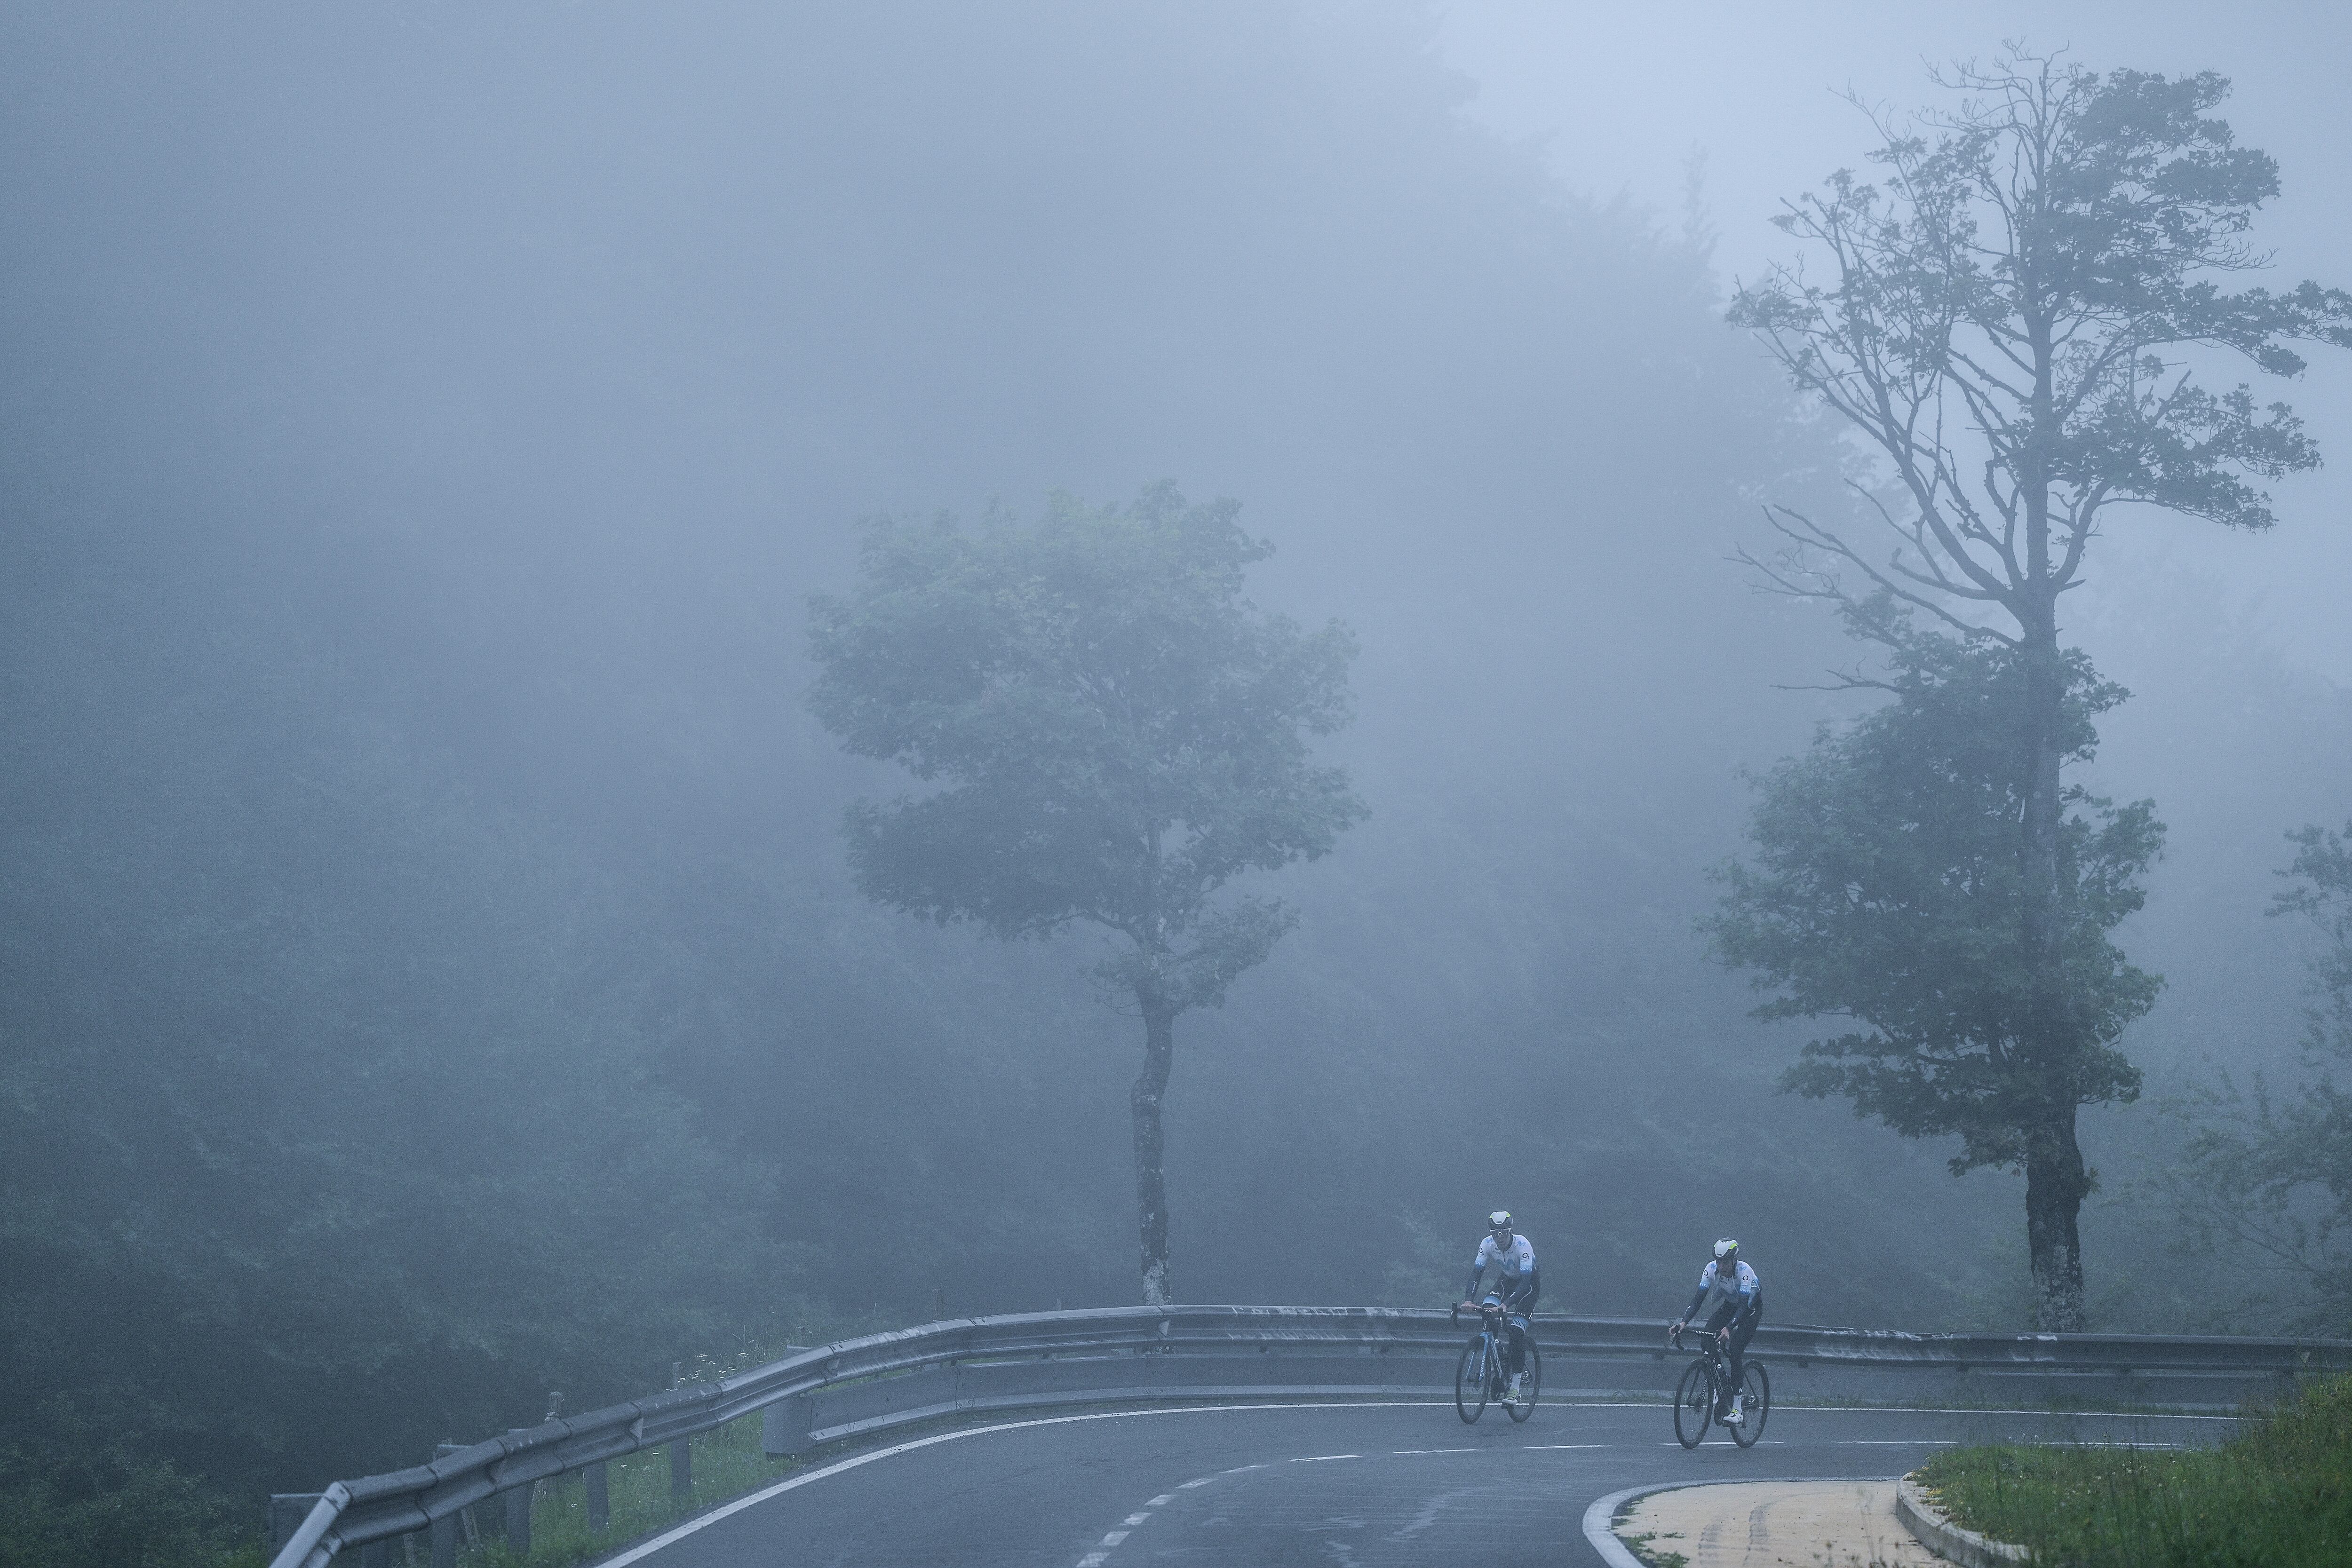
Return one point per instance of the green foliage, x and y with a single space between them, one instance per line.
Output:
1117 732
327 1121
1886 887
1429 1275
2276 1179
2279 1492
84 1497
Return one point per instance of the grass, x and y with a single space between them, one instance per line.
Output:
2280 1492
728 1463
1645 1549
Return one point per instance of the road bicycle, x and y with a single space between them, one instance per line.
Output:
1483 1375
1703 1384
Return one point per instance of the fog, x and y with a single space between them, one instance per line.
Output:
430 972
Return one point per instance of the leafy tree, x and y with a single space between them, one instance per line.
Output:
1118 734
2278 1179
1886 888
2009 322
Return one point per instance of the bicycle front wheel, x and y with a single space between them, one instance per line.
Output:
1470 1382
1525 1405
1694 1404
1759 1383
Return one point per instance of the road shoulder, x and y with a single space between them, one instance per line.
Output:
1770 1525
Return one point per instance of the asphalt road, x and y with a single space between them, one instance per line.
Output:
1325 1484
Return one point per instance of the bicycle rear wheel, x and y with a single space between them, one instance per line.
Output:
1694 1404
1524 1405
1470 1382
1760 1405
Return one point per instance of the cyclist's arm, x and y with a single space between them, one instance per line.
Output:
1751 1311
1470 1290
1691 1311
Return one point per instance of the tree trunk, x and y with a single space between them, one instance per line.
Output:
1150 1185
2055 1185
2055 1182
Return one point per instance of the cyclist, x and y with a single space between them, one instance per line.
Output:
1734 1300
1517 1285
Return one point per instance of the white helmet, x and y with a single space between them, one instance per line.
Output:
1499 1220
1726 1248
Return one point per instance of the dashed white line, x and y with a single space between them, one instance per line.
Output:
1114 1538
1318 1459
1450 1450
792 1483
1163 1500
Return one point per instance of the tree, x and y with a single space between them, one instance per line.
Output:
2009 325
1118 734
2278 1179
1886 888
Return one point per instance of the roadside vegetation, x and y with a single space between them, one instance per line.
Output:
2279 1492
728 1462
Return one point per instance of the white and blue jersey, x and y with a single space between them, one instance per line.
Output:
1514 1263
1733 1296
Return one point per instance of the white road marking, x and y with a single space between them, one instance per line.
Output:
789 1483
1094 1560
1163 1500
1468 1450
1318 1459
1132 1519
1114 1538
1204 1480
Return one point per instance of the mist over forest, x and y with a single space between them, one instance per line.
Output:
431 972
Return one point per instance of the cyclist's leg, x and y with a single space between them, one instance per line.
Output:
1714 1325
1739 1338
1517 1305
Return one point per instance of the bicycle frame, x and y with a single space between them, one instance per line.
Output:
1714 1357
1719 1360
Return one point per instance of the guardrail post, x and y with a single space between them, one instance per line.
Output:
444 1528
784 1426
681 1470
288 1509
600 1503
519 1500
519 1519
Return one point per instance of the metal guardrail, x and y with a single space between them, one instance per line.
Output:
1135 1354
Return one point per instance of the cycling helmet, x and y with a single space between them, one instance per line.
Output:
1726 1248
1499 1220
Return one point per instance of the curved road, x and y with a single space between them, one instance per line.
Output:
1332 1483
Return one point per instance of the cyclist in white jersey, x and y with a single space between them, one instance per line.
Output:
1733 1300
1518 1283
